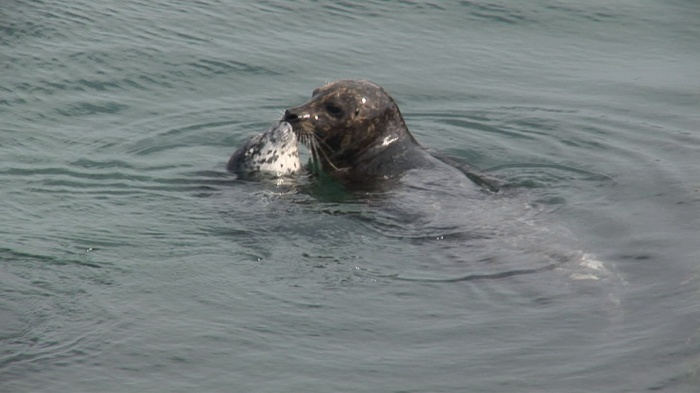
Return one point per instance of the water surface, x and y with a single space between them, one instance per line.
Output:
131 261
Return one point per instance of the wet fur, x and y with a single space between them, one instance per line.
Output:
355 130
272 153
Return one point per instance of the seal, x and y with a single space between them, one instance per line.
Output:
354 130
356 133
272 153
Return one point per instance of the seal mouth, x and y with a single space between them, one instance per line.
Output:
309 137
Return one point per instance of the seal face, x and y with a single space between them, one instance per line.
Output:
354 129
272 153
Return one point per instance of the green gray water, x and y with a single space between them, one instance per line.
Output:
131 261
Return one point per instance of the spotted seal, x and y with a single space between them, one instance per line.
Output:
272 153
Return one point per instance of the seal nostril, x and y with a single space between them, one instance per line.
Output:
290 116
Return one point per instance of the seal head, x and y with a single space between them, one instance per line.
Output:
273 153
354 129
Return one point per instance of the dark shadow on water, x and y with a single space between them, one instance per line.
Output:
561 172
523 175
8 254
474 277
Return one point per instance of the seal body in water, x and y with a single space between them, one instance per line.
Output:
356 133
273 153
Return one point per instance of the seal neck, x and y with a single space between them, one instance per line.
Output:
390 157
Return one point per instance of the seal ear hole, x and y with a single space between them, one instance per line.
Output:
357 112
334 110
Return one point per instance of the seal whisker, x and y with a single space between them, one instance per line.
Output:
315 153
315 159
306 141
317 142
313 142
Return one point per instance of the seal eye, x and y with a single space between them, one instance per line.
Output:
334 110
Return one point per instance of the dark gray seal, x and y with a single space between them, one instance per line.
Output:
354 129
272 153
356 133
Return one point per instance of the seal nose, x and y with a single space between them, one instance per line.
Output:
290 116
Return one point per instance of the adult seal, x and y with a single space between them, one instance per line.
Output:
357 134
355 131
272 153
